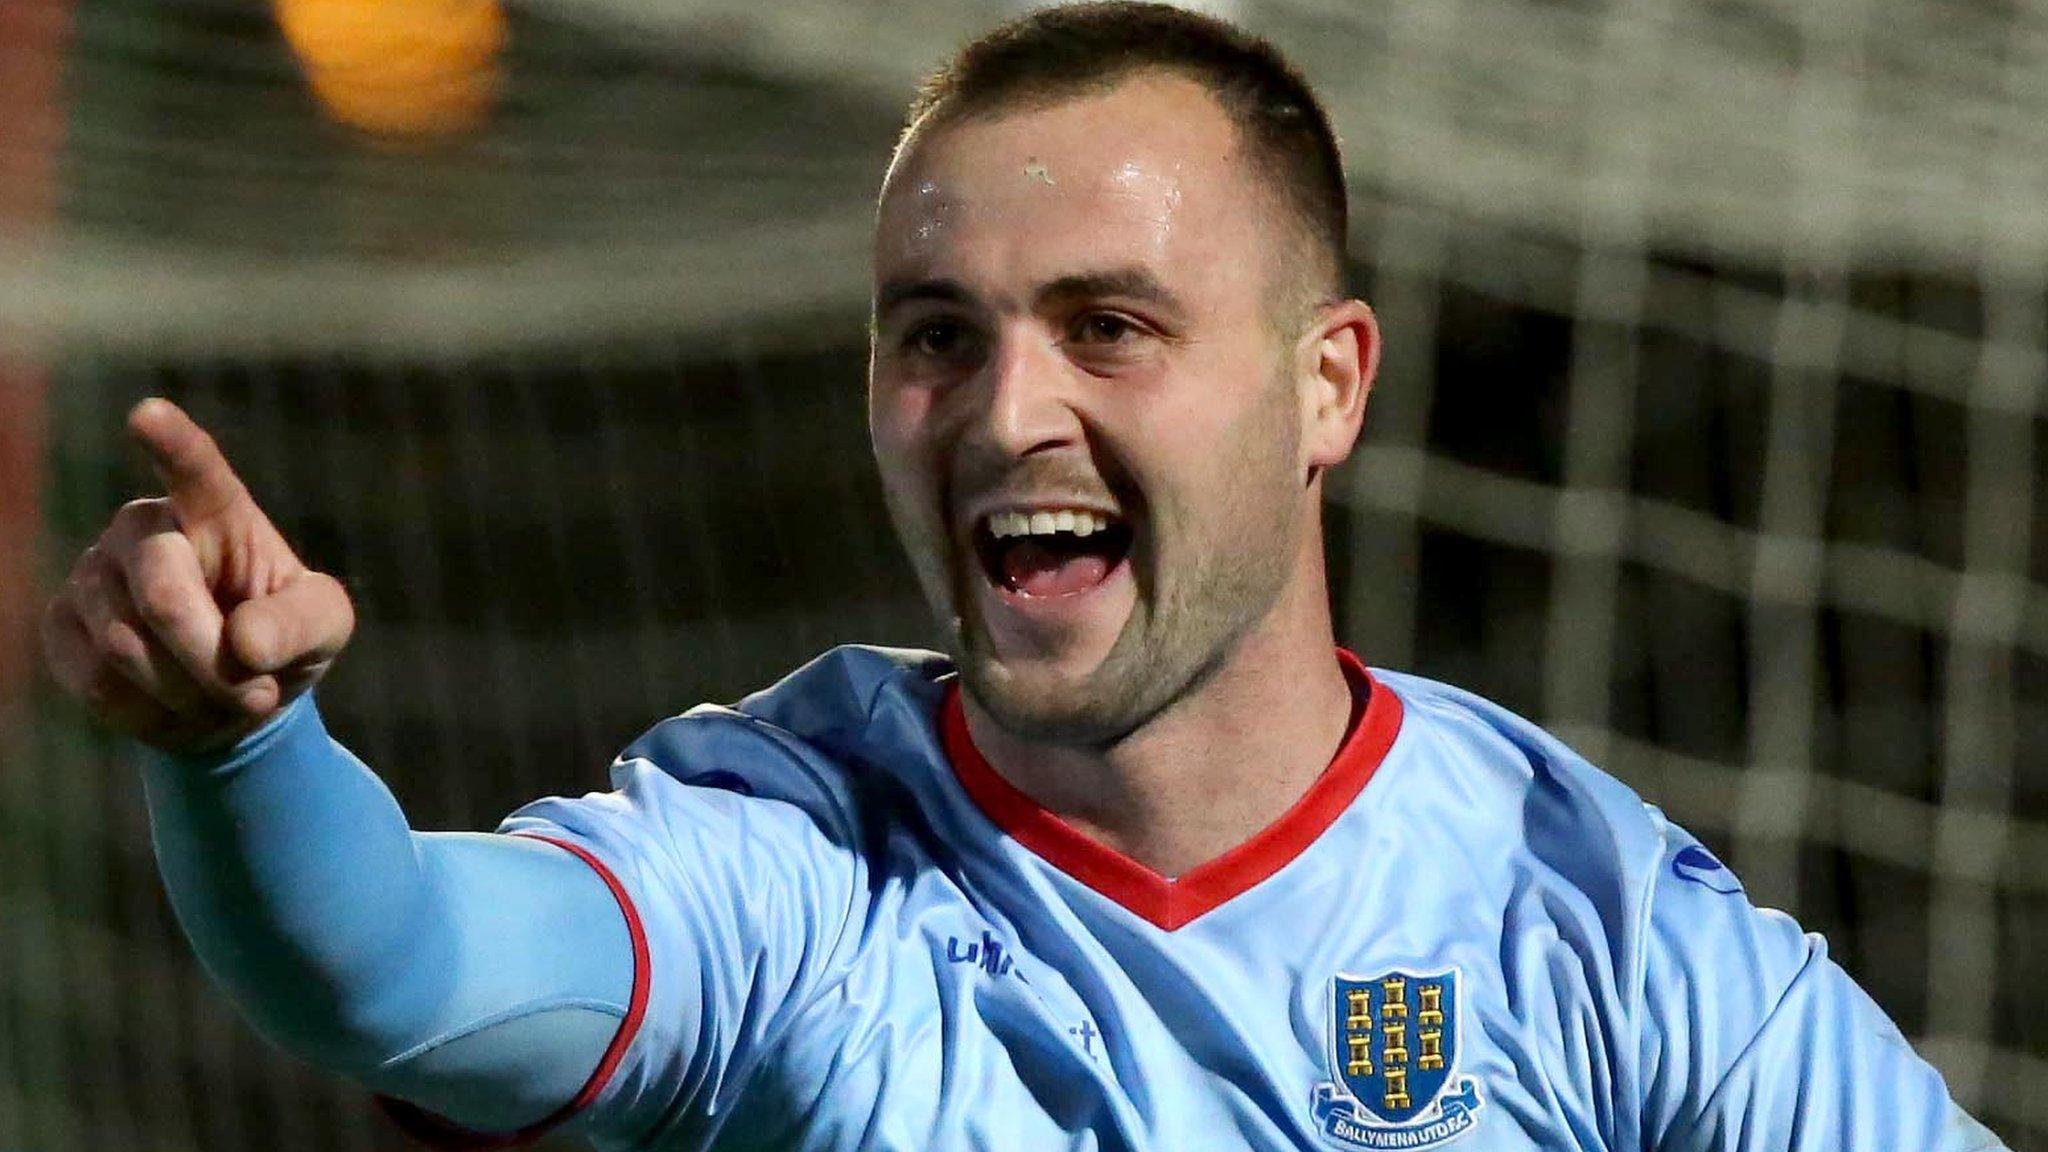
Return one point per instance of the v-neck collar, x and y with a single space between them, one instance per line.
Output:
1170 902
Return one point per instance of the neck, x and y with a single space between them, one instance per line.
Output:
1213 768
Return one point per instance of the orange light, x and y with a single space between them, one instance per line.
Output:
399 68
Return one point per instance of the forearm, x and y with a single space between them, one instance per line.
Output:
395 958
294 874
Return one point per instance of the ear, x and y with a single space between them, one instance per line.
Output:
1340 355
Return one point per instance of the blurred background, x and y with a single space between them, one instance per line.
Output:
1709 433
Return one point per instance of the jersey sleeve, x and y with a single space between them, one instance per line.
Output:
735 857
482 977
1755 1041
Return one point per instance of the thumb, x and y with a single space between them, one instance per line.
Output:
300 627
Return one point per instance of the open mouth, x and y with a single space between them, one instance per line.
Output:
1050 552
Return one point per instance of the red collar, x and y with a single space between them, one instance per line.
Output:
1170 903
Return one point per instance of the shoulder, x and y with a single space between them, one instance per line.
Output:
852 719
839 697
1662 900
1561 840
1522 776
795 786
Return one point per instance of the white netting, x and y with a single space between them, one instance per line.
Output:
1709 433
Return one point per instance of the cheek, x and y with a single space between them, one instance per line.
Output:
1223 476
1219 428
899 422
905 436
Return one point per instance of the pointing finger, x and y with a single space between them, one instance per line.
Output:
196 476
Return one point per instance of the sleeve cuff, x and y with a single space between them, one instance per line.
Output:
298 728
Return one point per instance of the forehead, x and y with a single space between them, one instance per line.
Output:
1145 173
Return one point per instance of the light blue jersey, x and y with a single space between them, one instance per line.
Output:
820 921
860 937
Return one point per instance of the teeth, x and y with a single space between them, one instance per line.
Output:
1003 525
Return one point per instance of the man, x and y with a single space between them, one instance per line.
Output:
1149 863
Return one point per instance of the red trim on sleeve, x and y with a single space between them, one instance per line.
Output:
436 1132
1166 902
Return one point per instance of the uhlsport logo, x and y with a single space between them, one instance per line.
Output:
1394 1052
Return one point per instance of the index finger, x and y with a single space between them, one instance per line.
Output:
196 476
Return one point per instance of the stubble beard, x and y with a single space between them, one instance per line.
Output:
1164 652
1186 620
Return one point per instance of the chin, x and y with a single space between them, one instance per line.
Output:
1061 700
1044 708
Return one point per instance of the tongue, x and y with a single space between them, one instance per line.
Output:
1036 570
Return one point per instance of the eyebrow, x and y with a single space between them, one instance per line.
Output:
1131 283
896 293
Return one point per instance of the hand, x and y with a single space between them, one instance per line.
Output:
191 621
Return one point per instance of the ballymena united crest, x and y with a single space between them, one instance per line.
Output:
1394 1056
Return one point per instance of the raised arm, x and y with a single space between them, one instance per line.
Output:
484 978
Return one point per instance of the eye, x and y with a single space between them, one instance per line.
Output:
940 338
1104 328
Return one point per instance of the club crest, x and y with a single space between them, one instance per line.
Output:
1394 1056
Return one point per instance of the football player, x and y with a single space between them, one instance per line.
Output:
1146 861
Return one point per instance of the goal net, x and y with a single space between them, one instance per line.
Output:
1708 434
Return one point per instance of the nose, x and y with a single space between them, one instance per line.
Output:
1029 397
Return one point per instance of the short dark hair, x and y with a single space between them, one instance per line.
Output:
1057 52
